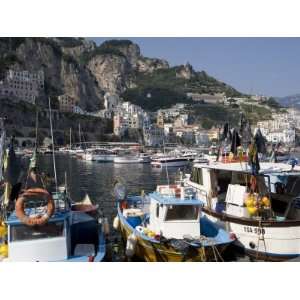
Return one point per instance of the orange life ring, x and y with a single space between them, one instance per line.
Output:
36 220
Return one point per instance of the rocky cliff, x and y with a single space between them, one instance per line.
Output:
85 71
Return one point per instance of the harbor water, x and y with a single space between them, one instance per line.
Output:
97 180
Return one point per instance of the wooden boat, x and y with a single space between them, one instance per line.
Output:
263 211
85 206
168 225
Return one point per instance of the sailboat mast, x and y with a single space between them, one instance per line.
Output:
53 152
70 138
79 135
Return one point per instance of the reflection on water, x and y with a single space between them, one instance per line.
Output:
97 179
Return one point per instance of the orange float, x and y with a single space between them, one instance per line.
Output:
36 220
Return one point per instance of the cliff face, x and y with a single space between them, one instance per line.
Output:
111 72
85 71
110 67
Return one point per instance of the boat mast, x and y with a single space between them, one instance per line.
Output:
79 136
166 161
70 138
53 152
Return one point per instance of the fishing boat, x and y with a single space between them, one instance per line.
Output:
51 231
38 225
258 201
168 225
262 210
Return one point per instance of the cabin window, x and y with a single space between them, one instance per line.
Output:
157 210
24 233
197 176
182 212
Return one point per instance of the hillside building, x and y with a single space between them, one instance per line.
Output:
66 103
22 85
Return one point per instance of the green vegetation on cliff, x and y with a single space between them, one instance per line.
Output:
167 89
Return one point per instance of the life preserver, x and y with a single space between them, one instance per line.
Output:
36 220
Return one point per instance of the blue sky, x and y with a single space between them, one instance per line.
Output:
269 66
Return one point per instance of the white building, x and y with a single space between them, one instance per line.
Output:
286 136
66 103
111 101
22 85
208 98
78 110
153 136
202 138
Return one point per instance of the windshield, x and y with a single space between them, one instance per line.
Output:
182 212
24 233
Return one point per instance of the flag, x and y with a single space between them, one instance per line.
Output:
2 150
259 140
12 170
236 142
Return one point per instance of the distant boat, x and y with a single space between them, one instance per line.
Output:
169 161
132 159
99 155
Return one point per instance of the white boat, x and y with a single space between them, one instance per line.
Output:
99 155
200 159
127 159
169 161
263 211
132 158
144 158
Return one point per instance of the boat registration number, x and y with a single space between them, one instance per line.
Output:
255 230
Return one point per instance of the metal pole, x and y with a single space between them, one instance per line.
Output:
53 153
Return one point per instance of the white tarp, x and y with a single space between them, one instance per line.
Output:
235 194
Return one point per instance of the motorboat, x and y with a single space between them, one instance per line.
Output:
132 158
99 155
169 161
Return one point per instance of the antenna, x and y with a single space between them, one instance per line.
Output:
53 153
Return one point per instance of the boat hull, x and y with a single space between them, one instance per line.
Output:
265 240
175 163
150 251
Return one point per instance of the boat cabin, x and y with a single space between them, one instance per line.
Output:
174 214
224 187
37 243
68 235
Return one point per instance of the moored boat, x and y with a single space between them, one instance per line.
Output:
261 209
168 225
169 161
